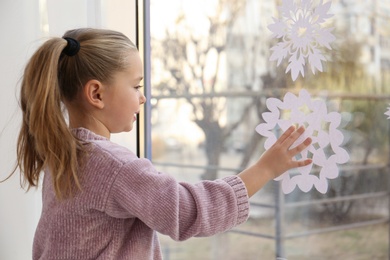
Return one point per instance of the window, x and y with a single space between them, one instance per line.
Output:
211 75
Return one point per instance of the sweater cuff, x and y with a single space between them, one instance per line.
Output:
242 197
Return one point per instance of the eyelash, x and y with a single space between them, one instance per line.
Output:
138 87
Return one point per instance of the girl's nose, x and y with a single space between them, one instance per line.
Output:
142 99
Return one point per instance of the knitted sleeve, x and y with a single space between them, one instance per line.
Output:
179 210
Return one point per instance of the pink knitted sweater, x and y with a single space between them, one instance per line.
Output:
124 201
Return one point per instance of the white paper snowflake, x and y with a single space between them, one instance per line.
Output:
387 113
302 34
321 126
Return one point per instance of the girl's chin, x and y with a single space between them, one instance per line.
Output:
126 128
130 127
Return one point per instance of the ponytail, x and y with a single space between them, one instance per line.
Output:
56 73
45 141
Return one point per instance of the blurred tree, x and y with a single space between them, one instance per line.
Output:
192 66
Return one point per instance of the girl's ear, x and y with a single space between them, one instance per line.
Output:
93 91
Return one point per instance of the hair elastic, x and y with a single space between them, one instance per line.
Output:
72 48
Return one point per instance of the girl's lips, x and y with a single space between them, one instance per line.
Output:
135 115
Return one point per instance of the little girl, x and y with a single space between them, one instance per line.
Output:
100 201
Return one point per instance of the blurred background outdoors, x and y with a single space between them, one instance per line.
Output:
210 78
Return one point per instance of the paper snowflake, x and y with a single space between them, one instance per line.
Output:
302 35
387 113
321 126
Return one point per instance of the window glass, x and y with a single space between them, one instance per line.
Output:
215 65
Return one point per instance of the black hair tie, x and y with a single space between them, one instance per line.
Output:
72 48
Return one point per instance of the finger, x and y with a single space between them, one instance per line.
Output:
301 146
302 163
294 136
286 134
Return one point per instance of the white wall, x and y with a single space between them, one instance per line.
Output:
18 210
22 27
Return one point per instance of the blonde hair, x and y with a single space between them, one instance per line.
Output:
45 141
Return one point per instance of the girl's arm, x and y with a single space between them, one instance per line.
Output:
184 210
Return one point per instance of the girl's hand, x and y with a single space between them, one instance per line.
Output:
275 161
279 158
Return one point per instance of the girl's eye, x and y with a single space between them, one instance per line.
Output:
138 87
